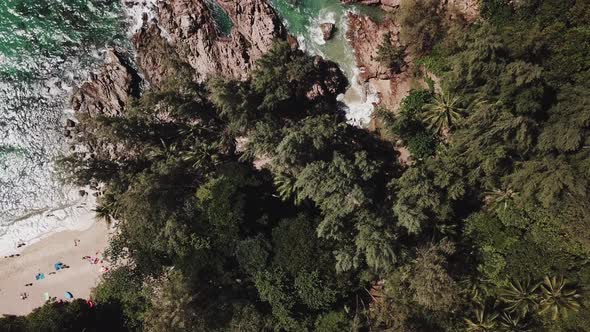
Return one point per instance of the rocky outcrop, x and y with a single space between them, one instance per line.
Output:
327 30
186 29
150 47
330 81
366 36
468 9
108 92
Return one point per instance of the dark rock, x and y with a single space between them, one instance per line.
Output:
330 81
328 30
293 43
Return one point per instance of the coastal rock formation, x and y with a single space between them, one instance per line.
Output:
330 81
469 9
156 58
107 92
327 30
366 36
186 30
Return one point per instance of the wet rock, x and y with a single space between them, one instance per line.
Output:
328 30
82 193
293 43
70 123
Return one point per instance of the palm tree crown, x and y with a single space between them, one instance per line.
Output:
520 297
443 112
558 298
483 322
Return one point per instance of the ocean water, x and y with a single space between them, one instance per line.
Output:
47 47
303 21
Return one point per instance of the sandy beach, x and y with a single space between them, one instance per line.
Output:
40 257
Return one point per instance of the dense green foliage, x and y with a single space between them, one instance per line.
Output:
246 206
389 55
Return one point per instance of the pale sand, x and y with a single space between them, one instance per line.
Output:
79 279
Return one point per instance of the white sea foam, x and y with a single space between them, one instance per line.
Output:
33 201
315 30
137 11
76 214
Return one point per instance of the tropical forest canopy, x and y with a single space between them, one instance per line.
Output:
248 206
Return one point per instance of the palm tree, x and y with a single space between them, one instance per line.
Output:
443 112
498 197
509 323
558 298
105 212
520 298
285 185
483 322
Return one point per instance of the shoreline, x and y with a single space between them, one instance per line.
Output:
78 215
79 278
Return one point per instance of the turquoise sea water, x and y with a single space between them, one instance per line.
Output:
303 20
222 20
46 48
